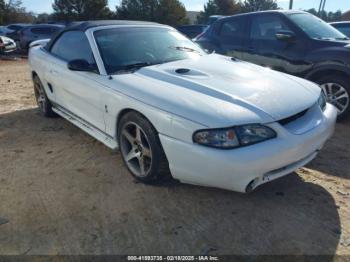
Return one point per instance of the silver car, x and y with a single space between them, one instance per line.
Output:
7 45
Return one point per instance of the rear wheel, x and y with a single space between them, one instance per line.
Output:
41 98
141 150
337 90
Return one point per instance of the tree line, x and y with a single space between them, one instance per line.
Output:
13 11
171 12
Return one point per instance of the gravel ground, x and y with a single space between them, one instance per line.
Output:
62 192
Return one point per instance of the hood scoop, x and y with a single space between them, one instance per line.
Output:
187 72
182 71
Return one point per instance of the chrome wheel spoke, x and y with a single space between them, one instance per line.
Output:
339 92
327 89
345 95
330 88
131 155
40 97
336 95
128 136
142 165
138 134
136 150
340 106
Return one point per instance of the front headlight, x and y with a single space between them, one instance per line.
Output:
322 101
229 138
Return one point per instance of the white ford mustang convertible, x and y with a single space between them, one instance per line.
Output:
172 109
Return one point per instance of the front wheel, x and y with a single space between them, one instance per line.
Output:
337 91
141 149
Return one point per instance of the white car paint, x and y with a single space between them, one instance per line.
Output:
7 44
41 42
216 93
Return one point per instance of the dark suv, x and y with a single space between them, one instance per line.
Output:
13 31
36 32
191 31
293 42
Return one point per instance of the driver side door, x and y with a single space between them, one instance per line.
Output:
263 47
75 91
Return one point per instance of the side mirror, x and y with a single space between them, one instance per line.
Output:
285 35
81 65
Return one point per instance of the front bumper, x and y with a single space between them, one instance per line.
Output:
244 169
8 48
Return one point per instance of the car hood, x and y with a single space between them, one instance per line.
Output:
215 90
334 42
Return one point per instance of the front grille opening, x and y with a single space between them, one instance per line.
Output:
290 119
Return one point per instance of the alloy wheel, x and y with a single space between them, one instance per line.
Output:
40 96
336 95
136 149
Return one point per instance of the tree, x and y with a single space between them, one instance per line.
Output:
312 11
137 10
12 11
218 7
96 9
72 10
171 12
43 18
327 16
228 7
334 17
2 11
346 16
210 9
259 5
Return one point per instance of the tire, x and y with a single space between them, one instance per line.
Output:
18 45
41 98
337 89
140 146
26 49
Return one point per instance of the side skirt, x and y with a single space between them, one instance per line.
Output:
88 128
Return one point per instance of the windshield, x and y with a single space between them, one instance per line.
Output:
315 27
132 48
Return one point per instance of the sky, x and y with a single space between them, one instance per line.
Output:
40 6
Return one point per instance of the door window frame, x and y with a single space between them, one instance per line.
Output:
261 16
230 21
49 51
242 38
300 35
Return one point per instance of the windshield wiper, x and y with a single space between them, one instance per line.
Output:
136 65
132 67
342 38
184 48
323 38
328 38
